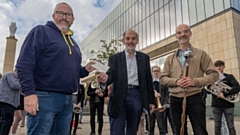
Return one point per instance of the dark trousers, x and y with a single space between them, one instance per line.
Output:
99 107
129 115
195 110
159 116
217 117
76 117
6 118
168 115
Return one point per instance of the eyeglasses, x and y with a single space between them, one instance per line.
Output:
61 14
182 32
155 70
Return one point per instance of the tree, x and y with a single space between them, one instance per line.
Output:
108 50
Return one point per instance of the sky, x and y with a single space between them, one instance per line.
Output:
30 13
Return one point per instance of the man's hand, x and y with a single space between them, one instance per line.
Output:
88 67
102 77
31 104
152 108
220 95
157 95
185 82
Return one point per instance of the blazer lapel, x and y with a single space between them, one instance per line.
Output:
123 63
140 65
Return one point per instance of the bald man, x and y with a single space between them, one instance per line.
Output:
174 77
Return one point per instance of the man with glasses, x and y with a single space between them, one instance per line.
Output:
190 85
49 68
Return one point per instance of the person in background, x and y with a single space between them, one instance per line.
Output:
9 100
222 107
132 90
49 69
78 97
18 114
161 92
201 73
97 95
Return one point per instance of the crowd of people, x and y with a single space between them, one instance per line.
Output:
46 85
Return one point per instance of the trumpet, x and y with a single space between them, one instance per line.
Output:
96 85
159 105
76 109
221 87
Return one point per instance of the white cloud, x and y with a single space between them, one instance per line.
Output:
29 13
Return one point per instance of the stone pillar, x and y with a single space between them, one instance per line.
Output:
9 54
9 58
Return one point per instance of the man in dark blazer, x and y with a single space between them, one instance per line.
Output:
132 88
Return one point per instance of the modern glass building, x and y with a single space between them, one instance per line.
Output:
215 25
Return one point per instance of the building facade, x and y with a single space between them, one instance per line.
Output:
215 26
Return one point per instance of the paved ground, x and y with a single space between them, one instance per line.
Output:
85 127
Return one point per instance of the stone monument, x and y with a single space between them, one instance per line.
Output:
9 58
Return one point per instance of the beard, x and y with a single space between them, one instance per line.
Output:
63 27
183 41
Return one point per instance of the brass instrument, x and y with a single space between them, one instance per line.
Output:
76 109
96 85
159 105
221 87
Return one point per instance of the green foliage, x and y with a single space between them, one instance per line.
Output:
108 50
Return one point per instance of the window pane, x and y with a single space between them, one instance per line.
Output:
209 8
162 29
151 6
200 10
185 12
218 6
179 12
147 6
152 29
167 21
148 34
157 26
172 18
192 12
156 5
144 32
226 4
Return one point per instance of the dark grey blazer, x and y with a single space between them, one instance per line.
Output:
117 75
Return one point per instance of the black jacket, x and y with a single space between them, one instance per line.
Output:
92 94
232 82
117 75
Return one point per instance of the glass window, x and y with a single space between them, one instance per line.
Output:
192 12
157 26
136 14
218 6
152 29
167 20
140 42
148 34
209 8
162 28
185 12
151 6
236 4
156 5
226 4
160 2
178 12
200 10
144 32
147 6
143 9
172 17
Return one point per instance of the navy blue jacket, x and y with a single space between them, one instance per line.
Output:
49 60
